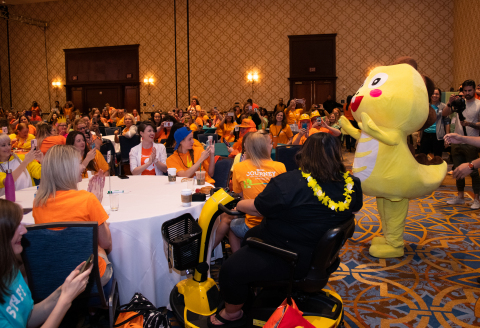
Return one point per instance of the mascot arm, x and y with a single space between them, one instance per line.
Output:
348 128
370 128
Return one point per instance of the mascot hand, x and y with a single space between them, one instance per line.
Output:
348 128
369 127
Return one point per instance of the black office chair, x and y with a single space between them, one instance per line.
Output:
286 155
169 151
126 144
222 172
204 137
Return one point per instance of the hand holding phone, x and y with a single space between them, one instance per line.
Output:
87 264
33 144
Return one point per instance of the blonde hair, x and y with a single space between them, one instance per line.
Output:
77 122
256 148
44 130
60 171
131 117
4 138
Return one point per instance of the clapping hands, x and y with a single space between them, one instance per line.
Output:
96 184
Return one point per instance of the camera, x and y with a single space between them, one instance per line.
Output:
458 106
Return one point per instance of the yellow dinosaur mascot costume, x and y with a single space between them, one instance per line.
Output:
391 104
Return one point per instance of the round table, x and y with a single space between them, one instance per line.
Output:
138 258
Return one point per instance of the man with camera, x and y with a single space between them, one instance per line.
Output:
464 151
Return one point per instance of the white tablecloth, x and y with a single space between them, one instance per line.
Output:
137 255
115 145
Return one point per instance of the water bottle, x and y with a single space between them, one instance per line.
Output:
9 186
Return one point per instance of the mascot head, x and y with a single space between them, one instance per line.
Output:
394 97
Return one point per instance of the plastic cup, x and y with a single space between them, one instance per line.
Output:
186 197
114 201
172 175
200 177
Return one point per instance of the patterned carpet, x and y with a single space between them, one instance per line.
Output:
433 285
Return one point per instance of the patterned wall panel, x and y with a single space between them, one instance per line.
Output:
4 86
234 37
229 38
90 23
466 47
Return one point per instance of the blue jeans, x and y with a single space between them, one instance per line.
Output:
239 227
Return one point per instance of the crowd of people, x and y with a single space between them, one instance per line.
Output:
57 150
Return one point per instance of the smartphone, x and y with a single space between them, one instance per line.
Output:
5 129
123 177
319 119
33 144
87 264
109 156
168 124
226 142
249 108
230 114
304 125
237 128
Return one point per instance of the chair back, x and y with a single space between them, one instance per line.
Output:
110 131
51 255
126 144
222 172
102 130
325 258
204 137
169 151
286 155
106 146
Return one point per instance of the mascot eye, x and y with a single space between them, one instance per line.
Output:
378 80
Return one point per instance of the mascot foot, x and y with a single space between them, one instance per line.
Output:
379 240
385 251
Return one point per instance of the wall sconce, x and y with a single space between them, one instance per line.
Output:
252 77
148 82
56 84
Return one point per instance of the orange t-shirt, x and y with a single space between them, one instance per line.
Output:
193 127
226 132
283 135
302 140
72 205
51 141
321 129
100 162
251 180
183 162
293 115
145 158
162 135
199 121
348 112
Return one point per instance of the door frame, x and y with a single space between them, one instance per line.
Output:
311 79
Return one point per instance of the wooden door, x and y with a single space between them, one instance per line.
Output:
97 97
132 98
321 90
303 89
77 98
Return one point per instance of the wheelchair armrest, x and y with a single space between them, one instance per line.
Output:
284 254
230 212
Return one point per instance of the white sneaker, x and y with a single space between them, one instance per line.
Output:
456 201
475 205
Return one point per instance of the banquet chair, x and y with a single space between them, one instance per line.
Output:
222 172
110 131
51 255
204 137
102 130
106 146
286 154
125 145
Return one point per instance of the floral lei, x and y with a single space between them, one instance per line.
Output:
317 191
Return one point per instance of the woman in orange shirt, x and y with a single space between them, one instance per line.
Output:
46 139
136 116
24 119
130 128
68 109
105 118
246 126
280 130
59 200
188 159
92 159
165 127
22 139
249 179
194 105
226 126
